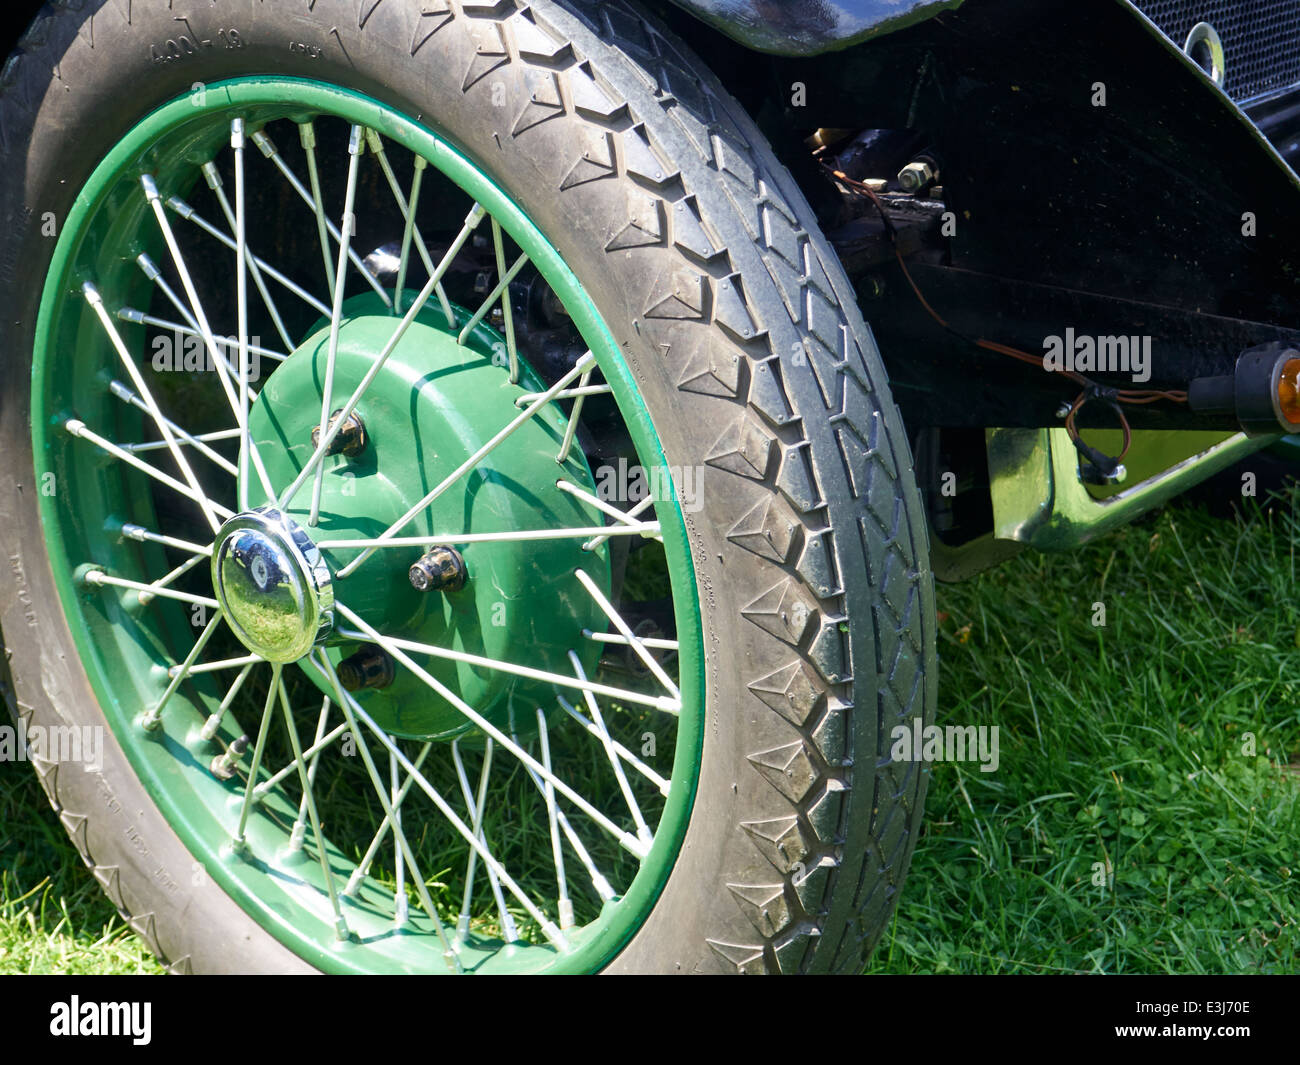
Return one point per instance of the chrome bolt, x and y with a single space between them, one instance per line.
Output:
368 668
351 438
439 570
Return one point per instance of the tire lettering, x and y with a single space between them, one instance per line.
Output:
188 45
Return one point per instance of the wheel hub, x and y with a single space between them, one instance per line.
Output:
435 403
273 585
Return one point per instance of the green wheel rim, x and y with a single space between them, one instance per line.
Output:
126 646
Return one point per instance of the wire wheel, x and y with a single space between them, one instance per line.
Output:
413 676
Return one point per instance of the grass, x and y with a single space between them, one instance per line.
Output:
53 916
1146 811
1143 818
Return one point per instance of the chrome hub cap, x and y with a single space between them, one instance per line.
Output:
272 584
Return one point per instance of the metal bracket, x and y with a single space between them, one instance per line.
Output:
1039 498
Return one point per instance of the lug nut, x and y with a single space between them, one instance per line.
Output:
439 570
350 439
223 765
368 668
916 175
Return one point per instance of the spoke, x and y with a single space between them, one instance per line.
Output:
216 667
201 322
183 438
598 881
130 314
451 478
153 716
213 437
659 702
239 841
503 287
269 150
640 508
569 393
363 867
646 641
167 579
340 924
299 831
642 829
625 839
78 429
307 138
350 707
563 903
651 663
507 312
318 456
137 379
213 724
631 759
99 577
477 805
317 746
620 516
646 529
400 908
241 294
143 535
150 270
571 429
234 221
411 230
154 273
408 232
355 147
179 207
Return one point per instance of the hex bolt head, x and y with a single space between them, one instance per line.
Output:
916 175
440 570
368 668
351 438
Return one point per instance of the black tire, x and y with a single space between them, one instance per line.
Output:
736 319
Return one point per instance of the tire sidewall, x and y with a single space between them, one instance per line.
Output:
58 122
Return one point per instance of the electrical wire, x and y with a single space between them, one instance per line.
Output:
1091 390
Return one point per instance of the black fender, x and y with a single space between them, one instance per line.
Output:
811 27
